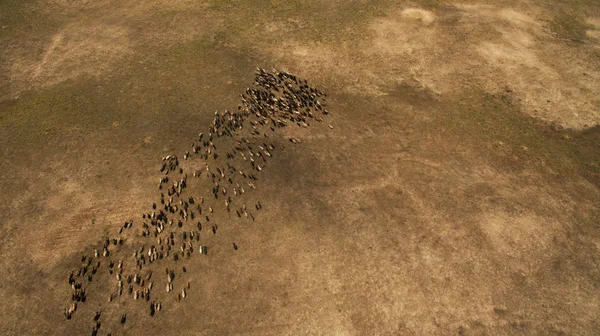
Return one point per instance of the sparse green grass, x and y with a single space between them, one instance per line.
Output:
513 140
317 21
567 19
569 26
159 83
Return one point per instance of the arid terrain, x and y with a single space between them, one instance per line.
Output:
457 191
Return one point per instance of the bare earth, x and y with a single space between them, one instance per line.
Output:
457 194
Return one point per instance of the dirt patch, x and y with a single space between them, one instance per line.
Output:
593 33
425 16
525 238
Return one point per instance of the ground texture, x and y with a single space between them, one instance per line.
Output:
458 192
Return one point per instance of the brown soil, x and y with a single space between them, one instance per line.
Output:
458 192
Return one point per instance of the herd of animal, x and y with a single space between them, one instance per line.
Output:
143 261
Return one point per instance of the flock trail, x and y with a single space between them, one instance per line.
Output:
144 260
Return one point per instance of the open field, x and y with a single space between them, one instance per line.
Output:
458 192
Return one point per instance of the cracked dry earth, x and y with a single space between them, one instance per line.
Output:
458 192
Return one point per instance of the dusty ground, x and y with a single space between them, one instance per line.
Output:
459 192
